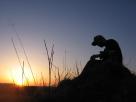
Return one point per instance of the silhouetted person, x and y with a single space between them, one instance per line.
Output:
111 52
110 56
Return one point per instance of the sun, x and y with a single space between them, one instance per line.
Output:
21 79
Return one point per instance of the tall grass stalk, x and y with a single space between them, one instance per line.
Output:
50 62
23 74
27 59
77 69
22 46
19 60
43 83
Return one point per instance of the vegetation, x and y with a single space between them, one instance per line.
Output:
98 82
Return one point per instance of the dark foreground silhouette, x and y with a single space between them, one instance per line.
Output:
105 82
103 79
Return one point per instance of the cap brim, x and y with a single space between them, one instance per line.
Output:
94 43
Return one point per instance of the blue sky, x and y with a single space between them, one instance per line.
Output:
70 25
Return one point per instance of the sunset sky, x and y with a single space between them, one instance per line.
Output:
70 25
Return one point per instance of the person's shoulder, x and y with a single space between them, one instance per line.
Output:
111 41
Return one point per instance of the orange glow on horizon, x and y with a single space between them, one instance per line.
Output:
13 74
18 79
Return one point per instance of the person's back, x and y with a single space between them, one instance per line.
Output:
112 51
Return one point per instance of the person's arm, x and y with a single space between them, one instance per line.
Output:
107 53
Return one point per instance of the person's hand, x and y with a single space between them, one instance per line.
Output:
93 57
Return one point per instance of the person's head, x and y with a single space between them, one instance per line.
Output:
99 40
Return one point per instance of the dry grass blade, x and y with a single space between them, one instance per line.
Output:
19 60
21 44
50 62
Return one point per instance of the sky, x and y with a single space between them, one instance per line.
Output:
70 25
